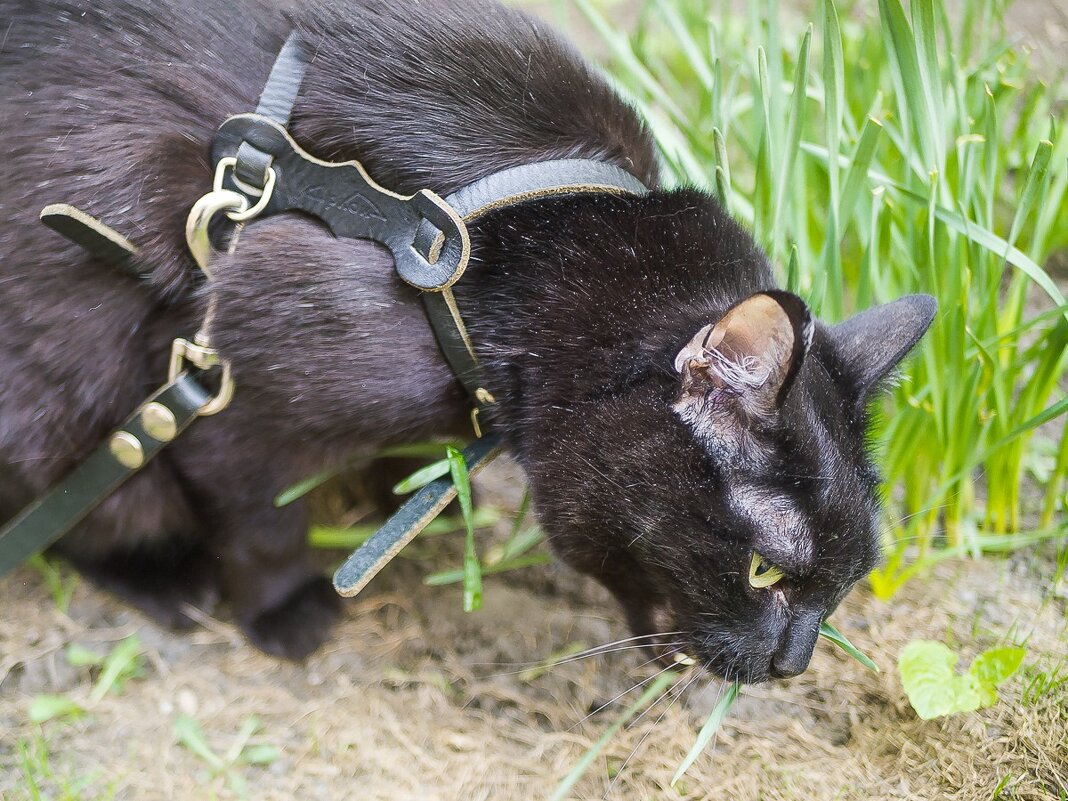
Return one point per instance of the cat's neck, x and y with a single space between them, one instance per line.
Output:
568 305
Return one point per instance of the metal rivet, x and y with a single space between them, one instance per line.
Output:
127 450
159 422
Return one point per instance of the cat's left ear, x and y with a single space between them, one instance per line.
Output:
871 344
753 352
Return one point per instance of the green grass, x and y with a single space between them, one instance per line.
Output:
244 750
875 152
40 777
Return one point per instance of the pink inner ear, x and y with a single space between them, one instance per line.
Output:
757 328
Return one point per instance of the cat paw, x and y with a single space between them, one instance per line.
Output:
300 624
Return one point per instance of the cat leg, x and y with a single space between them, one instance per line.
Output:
281 601
162 581
144 544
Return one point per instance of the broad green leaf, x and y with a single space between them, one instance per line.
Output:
933 687
997 665
46 707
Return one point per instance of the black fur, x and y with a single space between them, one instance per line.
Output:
578 307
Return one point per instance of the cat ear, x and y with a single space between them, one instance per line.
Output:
753 352
874 342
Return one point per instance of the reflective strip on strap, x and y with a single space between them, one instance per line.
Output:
430 501
507 188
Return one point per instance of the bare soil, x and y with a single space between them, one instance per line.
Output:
414 699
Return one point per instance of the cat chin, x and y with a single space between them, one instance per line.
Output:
693 654
728 667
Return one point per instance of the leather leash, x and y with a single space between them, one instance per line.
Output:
261 170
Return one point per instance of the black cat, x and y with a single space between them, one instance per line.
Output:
693 438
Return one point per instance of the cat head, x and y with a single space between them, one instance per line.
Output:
727 498
777 401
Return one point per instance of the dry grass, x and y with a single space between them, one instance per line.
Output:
416 700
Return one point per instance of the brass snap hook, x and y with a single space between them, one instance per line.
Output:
203 357
199 353
200 217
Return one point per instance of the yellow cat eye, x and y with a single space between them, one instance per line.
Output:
763 573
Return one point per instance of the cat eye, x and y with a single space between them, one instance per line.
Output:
763 573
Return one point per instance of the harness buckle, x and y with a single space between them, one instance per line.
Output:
202 356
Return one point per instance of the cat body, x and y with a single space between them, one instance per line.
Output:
660 460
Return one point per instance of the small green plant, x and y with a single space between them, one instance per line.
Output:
516 553
42 779
1041 683
935 689
472 571
60 582
122 663
242 751
513 554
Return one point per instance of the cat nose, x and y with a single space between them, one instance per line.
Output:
797 646
786 666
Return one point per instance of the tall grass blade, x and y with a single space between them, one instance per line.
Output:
708 731
652 692
472 568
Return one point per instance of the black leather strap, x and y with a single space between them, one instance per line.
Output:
101 241
407 522
276 103
506 188
350 203
83 489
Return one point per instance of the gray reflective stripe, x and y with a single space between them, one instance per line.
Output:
506 188
276 103
407 522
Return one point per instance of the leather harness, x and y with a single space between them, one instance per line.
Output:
261 170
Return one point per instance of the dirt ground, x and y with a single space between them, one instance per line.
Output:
415 699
